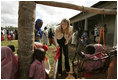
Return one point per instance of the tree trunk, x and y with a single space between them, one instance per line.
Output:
26 22
76 7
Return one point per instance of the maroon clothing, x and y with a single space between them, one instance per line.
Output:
37 70
93 65
9 63
9 37
50 40
2 37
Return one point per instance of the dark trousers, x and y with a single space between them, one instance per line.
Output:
63 47
94 38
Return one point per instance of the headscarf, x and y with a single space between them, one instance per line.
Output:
45 47
9 63
39 45
98 49
36 27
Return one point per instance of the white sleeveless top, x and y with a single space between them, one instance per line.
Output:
61 35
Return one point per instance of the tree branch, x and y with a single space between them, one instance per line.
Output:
76 7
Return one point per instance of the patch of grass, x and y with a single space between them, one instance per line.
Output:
51 54
12 42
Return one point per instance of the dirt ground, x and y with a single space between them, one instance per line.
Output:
70 75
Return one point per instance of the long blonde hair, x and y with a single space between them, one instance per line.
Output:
68 24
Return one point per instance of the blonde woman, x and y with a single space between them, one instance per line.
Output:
62 37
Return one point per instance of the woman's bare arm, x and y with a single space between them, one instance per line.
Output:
55 38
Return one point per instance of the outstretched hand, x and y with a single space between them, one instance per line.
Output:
57 45
66 42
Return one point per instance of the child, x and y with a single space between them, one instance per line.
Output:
45 36
9 37
74 38
37 45
12 47
9 63
90 51
2 36
50 36
45 47
37 68
85 38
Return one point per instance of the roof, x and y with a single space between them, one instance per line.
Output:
99 3
94 6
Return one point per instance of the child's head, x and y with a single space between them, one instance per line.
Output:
39 54
45 28
12 47
90 49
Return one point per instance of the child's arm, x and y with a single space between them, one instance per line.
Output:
83 54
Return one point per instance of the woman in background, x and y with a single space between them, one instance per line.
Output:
38 32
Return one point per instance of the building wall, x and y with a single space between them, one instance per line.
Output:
109 20
110 27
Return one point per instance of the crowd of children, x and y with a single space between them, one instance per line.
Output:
9 34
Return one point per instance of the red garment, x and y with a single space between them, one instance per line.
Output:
2 37
45 47
39 45
50 40
11 36
37 70
9 63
